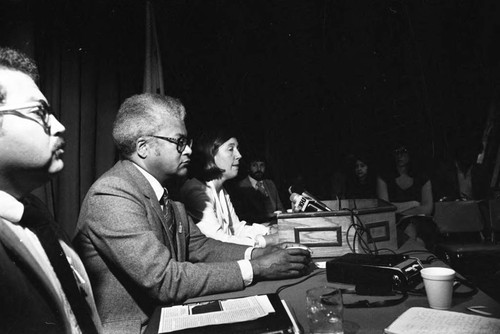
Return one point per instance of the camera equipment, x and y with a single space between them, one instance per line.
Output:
375 274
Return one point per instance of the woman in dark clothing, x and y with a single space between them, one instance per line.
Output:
411 193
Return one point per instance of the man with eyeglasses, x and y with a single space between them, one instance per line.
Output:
140 247
43 285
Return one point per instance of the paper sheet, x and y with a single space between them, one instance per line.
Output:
214 313
420 320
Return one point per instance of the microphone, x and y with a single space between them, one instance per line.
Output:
304 204
300 190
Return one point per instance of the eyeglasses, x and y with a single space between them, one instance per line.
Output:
181 142
40 110
400 150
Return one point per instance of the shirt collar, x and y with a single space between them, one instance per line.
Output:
211 185
253 181
157 187
10 208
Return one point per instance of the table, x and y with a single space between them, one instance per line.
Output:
356 320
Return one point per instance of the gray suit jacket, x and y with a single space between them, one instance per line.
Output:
122 239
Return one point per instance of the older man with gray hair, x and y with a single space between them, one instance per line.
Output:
140 247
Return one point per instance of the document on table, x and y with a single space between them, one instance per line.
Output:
214 312
420 320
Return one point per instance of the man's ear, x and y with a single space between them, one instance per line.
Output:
142 147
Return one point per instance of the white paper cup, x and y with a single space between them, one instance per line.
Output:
438 284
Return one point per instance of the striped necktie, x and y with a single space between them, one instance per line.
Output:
168 213
261 188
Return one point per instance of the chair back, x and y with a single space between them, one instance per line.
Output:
458 216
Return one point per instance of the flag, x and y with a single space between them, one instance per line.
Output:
153 71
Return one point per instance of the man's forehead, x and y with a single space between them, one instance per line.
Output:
18 87
174 127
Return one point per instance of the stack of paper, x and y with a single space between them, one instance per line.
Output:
214 313
419 320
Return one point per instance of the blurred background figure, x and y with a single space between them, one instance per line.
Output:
256 197
460 176
410 190
215 160
361 177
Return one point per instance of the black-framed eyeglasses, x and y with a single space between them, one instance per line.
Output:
181 142
40 110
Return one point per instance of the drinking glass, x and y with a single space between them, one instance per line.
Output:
325 310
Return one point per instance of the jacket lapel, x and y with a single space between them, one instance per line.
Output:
150 196
22 254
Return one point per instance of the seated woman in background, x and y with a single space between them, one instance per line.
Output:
361 181
411 193
216 159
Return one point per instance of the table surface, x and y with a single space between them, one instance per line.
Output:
356 320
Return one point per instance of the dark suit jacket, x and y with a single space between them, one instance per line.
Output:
251 205
122 239
29 302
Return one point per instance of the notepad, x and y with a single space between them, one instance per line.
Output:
420 320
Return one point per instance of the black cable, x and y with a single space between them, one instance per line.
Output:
360 229
354 237
386 249
381 303
375 250
283 287
347 238
430 259
459 281
365 245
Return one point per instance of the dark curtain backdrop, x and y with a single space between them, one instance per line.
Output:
90 56
305 82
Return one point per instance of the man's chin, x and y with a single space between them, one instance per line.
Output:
182 171
258 177
56 167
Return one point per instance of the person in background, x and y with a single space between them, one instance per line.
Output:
256 197
411 192
141 249
216 159
461 177
44 287
361 181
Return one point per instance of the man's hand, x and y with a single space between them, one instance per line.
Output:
276 247
271 239
279 263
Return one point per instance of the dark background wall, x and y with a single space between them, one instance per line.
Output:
306 82
315 80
